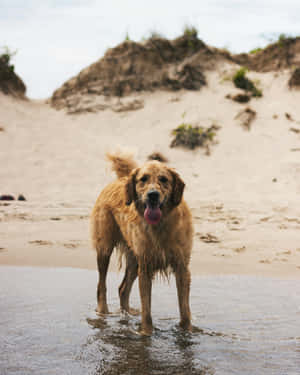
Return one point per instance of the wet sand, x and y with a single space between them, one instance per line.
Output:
230 239
242 325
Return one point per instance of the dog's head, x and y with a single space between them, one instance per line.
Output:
155 190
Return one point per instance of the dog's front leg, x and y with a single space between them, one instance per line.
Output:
145 286
183 281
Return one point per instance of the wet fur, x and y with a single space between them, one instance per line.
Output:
117 222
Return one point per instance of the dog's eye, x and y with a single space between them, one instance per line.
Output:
144 178
163 179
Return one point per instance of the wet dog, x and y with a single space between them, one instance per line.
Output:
144 216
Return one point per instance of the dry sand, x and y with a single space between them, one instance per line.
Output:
244 196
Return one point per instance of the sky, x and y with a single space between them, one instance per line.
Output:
56 39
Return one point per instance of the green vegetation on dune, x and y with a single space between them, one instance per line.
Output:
7 69
191 137
242 82
10 83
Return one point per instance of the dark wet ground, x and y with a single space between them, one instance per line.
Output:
243 325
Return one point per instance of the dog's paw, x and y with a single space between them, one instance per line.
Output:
102 311
134 312
130 311
186 326
144 332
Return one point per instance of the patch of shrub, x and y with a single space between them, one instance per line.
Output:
157 156
242 82
246 117
7 69
190 137
10 83
294 80
190 32
282 39
257 93
241 98
155 35
255 50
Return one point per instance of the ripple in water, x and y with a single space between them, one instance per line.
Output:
242 325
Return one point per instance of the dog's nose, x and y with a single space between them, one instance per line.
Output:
153 196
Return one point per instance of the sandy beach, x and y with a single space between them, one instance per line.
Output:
244 196
242 186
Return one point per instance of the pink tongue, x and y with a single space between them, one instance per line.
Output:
152 215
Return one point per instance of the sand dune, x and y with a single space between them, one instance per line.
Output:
244 196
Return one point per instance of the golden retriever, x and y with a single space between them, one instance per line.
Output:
144 216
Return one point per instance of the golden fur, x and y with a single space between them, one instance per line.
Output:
117 221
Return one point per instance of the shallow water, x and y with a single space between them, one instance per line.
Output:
242 325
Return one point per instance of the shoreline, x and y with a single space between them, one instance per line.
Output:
63 253
229 239
114 271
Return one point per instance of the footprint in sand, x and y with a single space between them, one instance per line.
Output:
223 255
288 252
282 226
208 238
264 219
41 242
71 245
234 223
280 259
265 261
240 249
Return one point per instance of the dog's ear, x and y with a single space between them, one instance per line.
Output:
130 191
178 187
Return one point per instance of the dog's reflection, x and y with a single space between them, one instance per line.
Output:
122 350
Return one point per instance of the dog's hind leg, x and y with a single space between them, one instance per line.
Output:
126 285
103 263
183 281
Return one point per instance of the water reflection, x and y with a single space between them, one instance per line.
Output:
165 352
242 325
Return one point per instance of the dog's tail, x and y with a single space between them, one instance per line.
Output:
122 163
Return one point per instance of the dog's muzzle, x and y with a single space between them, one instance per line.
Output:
153 198
152 213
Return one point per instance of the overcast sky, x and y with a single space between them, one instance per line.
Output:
55 39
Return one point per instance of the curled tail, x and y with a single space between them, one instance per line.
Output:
122 163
